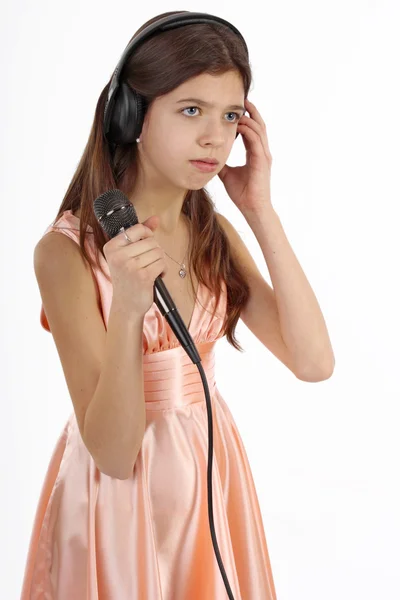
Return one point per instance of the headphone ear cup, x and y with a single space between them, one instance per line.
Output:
127 116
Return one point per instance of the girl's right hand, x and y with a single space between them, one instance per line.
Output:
135 266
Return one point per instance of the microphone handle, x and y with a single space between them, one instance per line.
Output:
168 309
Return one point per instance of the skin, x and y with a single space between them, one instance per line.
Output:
173 134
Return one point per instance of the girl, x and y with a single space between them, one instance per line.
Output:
123 511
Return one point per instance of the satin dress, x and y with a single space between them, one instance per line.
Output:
95 537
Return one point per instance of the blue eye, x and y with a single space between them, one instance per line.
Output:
229 113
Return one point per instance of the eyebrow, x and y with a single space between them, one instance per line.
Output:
210 105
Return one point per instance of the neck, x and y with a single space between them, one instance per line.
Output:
154 195
168 210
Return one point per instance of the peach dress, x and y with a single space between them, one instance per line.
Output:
95 537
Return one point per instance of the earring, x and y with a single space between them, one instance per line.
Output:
138 139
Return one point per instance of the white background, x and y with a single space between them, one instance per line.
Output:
324 456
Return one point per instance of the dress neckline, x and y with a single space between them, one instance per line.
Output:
192 317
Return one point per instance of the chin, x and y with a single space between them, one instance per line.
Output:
197 187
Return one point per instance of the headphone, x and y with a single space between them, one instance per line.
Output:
122 123
124 111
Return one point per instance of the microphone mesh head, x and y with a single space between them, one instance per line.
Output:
122 212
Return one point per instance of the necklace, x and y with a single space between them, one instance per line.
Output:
182 270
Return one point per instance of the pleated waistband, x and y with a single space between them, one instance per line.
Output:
171 379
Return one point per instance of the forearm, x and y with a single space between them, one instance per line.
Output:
116 418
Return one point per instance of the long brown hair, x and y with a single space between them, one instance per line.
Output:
159 65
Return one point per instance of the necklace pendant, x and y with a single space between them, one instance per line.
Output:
182 272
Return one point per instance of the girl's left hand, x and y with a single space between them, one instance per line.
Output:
248 186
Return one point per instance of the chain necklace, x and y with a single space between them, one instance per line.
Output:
182 270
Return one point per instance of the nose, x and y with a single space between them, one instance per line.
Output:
215 133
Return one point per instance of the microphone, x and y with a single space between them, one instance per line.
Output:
115 213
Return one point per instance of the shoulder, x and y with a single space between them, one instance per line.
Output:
58 261
229 230
54 246
223 221
64 276
238 247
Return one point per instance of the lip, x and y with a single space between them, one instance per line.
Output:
208 160
205 165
